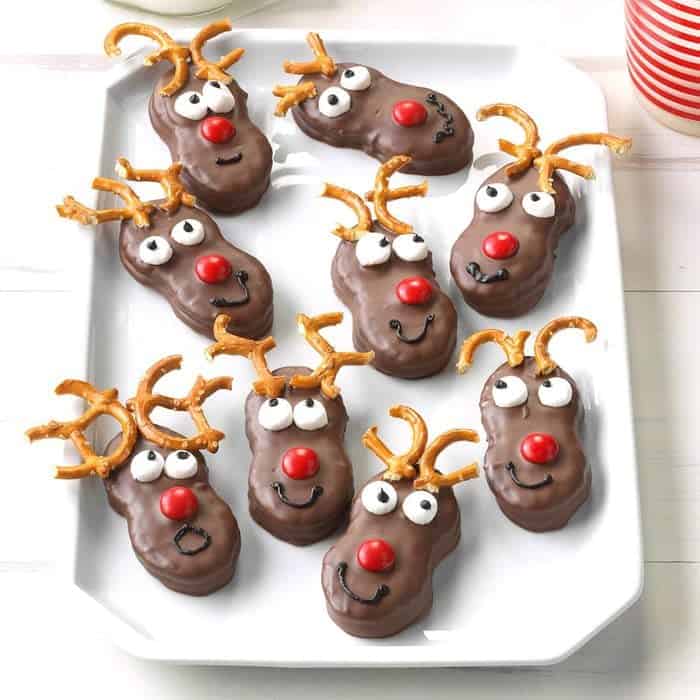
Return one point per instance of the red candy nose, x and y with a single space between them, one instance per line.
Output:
212 269
217 129
500 245
414 290
376 555
300 463
178 503
409 113
539 448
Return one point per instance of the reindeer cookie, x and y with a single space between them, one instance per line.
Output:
178 250
180 529
377 578
503 261
531 412
300 483
201 114
353 106
383 272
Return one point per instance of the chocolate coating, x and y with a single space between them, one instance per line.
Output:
189 297
370 127
153 535
530 269
299 526
418 549
549 506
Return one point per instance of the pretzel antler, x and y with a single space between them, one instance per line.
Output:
399 466
208 70
513 347
145 401
322 62
549 161
356 203
545 364
526 152
324 375
101 403
432 480
381 194
169 50
228 344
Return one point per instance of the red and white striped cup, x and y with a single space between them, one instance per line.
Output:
663 59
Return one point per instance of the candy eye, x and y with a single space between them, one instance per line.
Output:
334 102
555 392
218 97
379 497
356 78
494 197
420 507
181 465
509 391
310 415
155 250
539 204
372 249
188 232
410 247
275 414
147 466
190 105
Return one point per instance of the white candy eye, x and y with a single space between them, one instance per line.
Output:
372 249
188 232
155 250
410 247
539 204
191 105
356 78
420 507
147 465
334 102
509 391
218 97
379 497
181 464
275 414
494 197
310 415
555 392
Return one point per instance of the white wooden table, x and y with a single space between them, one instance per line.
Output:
47 643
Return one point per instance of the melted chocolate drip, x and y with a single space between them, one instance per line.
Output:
381 592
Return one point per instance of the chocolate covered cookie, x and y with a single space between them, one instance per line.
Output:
355 106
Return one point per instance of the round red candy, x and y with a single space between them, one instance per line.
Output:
300 463
178 503
414 290
409 113
500 245
213 269
217 129
376 555
539 448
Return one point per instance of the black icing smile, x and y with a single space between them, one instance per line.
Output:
474 270
447 128
235 158
241 277
199 531
395 325
381 592
537 485
316 493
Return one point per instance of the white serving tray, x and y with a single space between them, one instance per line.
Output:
506 596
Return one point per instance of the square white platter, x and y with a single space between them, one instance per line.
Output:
505 596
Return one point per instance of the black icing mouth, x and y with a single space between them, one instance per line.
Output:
448 120
382 590
199 531
474 270
537 485
395 325
231 160
316 493
242 278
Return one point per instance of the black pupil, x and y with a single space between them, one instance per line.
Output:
418 239
215 84
152 245
194 99
151 455
332 99
425 504
349 73
384 243
535 197
309 402
500 384
491 191
188 227
547 383
182 454
273 402
382 496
